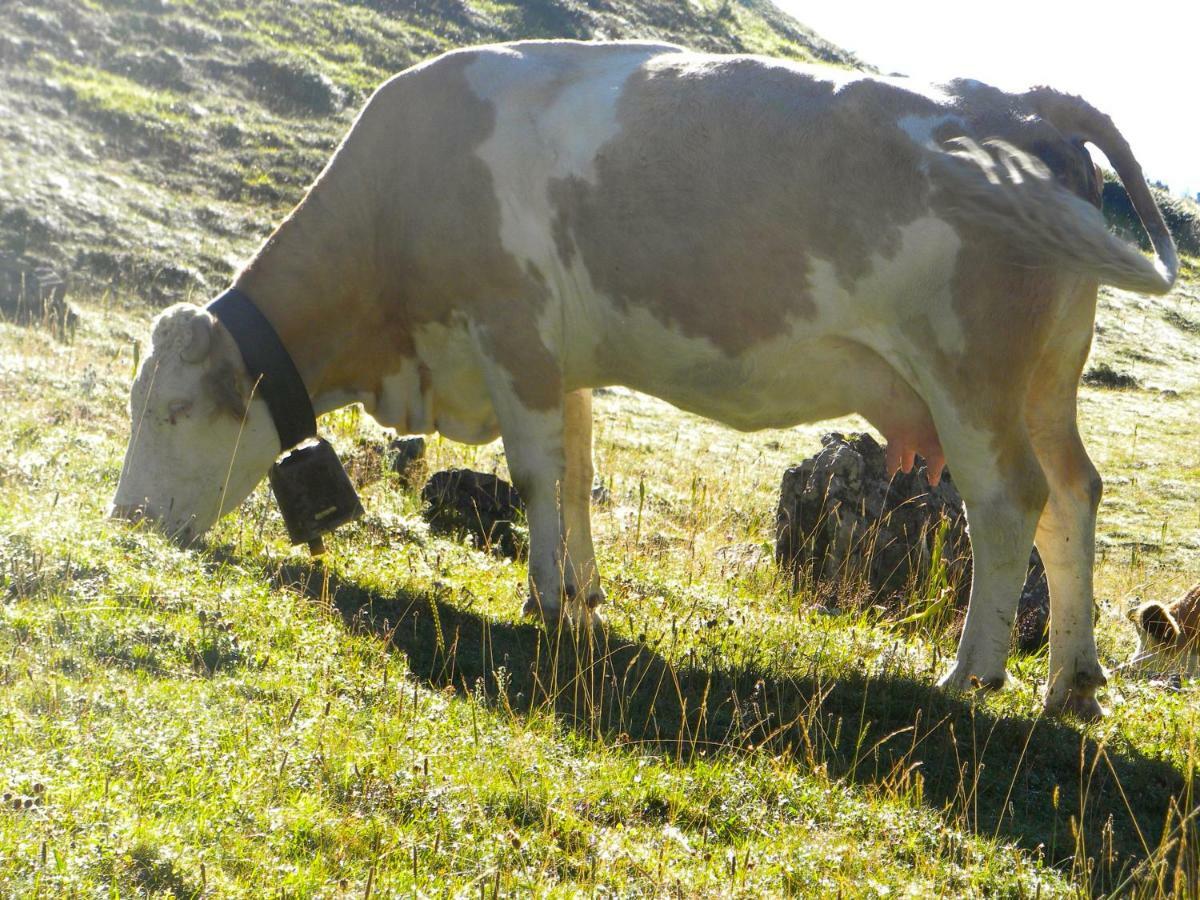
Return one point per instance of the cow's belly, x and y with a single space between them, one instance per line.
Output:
784 382
776 387
439 389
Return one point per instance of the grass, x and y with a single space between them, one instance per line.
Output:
239 720
105 94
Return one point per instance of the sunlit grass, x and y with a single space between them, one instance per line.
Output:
205 723
239 721
99 91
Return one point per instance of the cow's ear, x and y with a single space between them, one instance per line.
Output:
1157 622
226 378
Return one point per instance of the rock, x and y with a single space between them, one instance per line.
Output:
840 517
482 506
365 463
160 68
601 495
1033 609
404 456
32 294
370 459
405 450
843 521
1172 683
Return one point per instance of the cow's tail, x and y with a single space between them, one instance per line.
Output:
1007 191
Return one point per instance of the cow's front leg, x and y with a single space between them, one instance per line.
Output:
577 500
529 407
533 445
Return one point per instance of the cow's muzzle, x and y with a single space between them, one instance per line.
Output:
136 513
128 512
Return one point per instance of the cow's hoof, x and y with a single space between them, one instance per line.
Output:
1078 696
580 605
961 678
537 608
572 613
589 597
1086 709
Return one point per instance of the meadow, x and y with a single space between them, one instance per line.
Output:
239 720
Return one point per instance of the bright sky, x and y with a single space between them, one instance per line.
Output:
1139 62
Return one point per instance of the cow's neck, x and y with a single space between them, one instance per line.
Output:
311 280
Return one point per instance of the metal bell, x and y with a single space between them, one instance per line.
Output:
314 492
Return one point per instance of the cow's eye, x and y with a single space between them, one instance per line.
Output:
178 410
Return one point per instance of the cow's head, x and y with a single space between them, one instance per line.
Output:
1169 635
200 439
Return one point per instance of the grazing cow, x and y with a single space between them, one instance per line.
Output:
763 243
1169 634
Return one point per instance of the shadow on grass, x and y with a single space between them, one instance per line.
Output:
1040 784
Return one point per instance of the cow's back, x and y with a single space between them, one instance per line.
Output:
674 220
457 153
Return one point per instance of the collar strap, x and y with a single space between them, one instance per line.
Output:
267 360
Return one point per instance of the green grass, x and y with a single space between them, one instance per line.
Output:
238 720
105 94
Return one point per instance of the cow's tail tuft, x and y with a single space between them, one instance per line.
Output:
1007 191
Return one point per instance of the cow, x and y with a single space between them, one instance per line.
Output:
760 242
1168 634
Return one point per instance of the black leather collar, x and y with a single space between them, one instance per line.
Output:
279 382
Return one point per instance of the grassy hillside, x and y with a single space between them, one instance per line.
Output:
149 146
213 722
239 721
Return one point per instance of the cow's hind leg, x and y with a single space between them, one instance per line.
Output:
1066 534
577 499
1004 490
1066 540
